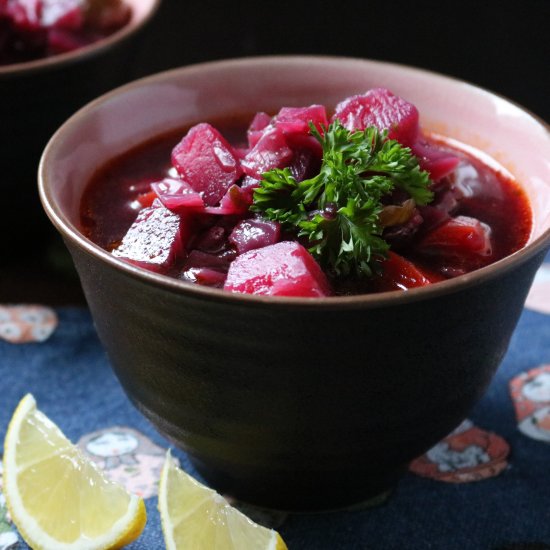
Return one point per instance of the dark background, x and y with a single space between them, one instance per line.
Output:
503 46
500 45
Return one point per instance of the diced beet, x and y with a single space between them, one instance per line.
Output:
255 130
235 201
461 237
282 269
381 108
399 273
205 269
254 233
437 162
197 258
248 184
207 162
176 194
271 151
204 276
295 120
294 123
155 239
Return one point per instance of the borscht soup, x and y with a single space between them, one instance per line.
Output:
308 202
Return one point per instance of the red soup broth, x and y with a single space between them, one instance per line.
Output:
487 192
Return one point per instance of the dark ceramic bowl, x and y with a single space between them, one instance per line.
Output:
36 97
295 403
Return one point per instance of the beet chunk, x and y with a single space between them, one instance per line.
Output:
154 240
176 194
235 202
381 108
282 269
461 238
206 269
207 162
271 151
254 233
437 162
399 273
295 120
256 128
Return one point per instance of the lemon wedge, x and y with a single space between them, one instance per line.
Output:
195 517
57 498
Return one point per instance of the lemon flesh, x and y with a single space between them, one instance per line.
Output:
57 498
195 517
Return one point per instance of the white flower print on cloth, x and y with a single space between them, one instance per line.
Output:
466 454
127 457
22 324
8 536
531 395
539 295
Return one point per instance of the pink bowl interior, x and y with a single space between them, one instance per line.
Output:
132 114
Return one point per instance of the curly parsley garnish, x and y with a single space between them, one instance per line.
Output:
337 212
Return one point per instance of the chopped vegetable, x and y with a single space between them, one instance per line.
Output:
282 269
338 211
292 205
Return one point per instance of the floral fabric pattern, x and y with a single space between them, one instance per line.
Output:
466 454
127 457
22 324
531 396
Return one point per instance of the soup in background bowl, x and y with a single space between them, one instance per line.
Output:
289 402
39 93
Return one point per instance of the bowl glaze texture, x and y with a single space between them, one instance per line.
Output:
37 96
295 403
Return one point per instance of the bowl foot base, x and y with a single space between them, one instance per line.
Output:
300 492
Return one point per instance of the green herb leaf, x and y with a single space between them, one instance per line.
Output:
337 212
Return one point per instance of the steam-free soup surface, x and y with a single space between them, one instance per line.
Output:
203 234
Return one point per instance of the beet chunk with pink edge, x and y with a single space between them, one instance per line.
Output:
296 120
176 194
282 269
254 233
257 126
154 240
381 108
461 237
271 151
207 162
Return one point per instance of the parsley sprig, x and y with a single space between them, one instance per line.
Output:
337 211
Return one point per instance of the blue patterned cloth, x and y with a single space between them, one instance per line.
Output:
73 384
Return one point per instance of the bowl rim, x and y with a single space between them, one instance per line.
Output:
190 290
94 49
